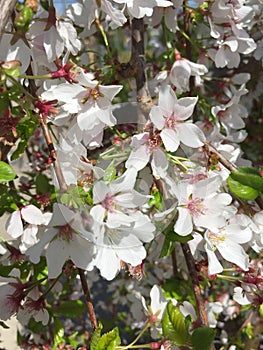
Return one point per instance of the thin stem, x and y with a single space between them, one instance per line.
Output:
131 345
88 299
195 282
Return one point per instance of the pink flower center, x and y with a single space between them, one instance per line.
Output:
170 122
109 203
66 232
154 142
92 94
196 207
216 238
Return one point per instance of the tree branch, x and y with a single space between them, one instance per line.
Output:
195 282
85 288
6 9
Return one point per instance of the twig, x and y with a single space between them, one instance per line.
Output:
195 282
88 299
6 9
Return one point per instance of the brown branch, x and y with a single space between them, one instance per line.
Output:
195 282
6 9
88 299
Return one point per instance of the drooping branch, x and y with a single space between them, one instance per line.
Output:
6 9
88 299
195 283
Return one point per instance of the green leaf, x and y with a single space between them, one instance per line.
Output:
173 325
202 338
260 310
8 199
248 170
167 248
34 326
241 191
251 180
42 184
71 308
6 172
58 333
110 173
25 128
95 338
109 341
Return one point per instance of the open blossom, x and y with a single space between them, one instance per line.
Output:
34 217
181 72
121 243
113 202
139 8
85 12
227 241
201 205
147 148
65 238
170 118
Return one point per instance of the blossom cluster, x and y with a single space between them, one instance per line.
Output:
120 184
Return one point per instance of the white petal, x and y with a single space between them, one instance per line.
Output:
183 225
184 107
191 135
138 158
57 253
32 215
170 139
14 225
234 253
156 116
214 265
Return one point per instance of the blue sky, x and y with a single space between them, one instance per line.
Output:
61 5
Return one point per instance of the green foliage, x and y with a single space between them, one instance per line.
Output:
202 338
108 341
7 173
240 190
58 333
25 128
110 173
174 326
42 184
9 199
70 308
170 239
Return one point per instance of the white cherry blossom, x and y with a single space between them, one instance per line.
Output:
202 205
170 118
227 241
142 8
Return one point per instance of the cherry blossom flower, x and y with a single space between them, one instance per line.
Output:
201 205
170 118
181 72
147 148
65 238
139 8
85 12
31 215
227 241
121 242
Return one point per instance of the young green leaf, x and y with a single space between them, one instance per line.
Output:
173 325
6 172
241 191
109 340
251 180
71 308
202 338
